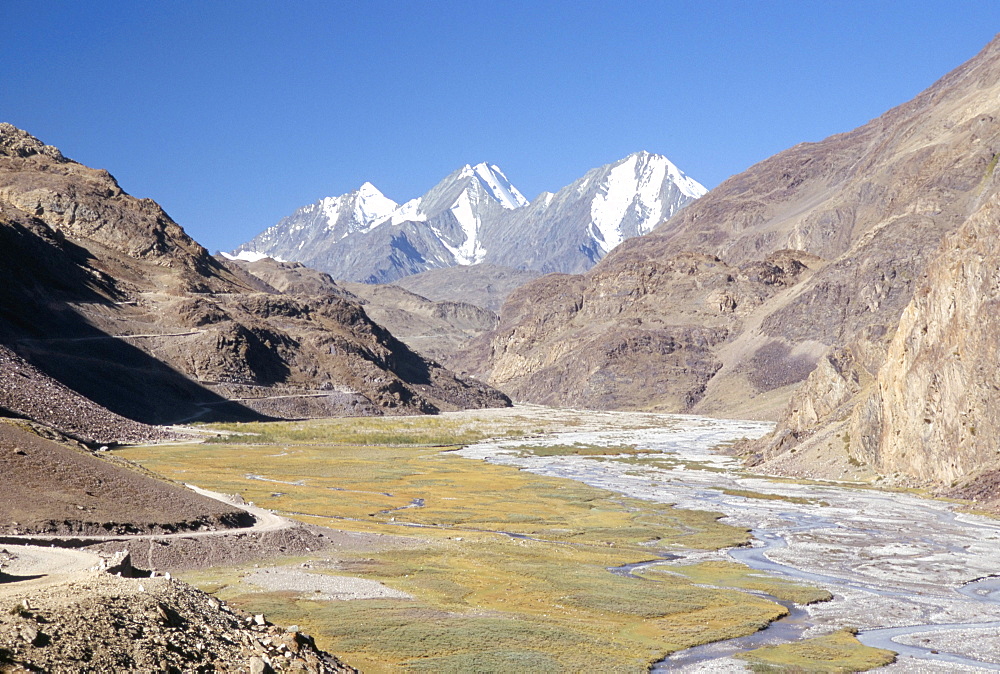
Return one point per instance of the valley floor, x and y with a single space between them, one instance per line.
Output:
547 539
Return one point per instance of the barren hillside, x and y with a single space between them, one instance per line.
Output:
806 259
107 296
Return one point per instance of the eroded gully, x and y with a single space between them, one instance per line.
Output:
911 574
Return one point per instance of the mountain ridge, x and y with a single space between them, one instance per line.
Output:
108 297
475 215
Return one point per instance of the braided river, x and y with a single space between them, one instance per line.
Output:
912 575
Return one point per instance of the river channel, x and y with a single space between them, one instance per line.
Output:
913 575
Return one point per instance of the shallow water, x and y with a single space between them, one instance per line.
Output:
911 574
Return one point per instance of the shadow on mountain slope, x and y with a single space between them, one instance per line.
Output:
48 286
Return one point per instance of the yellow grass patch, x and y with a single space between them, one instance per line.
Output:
837 652
731 574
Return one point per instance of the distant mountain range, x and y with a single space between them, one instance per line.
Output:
475 215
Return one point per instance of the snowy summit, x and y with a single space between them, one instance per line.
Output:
476 215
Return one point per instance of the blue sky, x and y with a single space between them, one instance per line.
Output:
233 114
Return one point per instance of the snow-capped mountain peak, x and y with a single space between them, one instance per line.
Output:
408 212
635 194
496 184
475 215
330 217
371 205
355 211
687 185
464 193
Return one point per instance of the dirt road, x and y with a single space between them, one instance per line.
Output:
36 561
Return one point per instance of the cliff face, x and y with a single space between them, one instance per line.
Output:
781 289
939 388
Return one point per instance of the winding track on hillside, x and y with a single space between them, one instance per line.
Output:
45 560
96 338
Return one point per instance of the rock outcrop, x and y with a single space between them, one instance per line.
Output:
931 413
106 624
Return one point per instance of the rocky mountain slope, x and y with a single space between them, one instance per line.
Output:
484 285
801 267
436 329
476 216
28 393
646 336
107 296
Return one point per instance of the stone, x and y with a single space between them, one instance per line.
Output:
29 633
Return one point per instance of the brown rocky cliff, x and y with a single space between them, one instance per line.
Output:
938 391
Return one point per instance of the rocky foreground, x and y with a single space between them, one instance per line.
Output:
104 623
